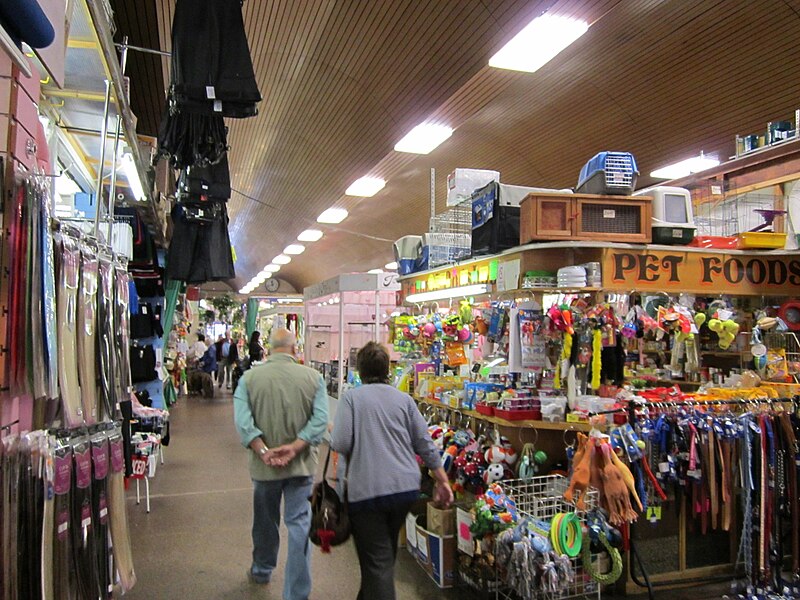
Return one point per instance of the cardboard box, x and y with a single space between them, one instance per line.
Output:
441 522
436 554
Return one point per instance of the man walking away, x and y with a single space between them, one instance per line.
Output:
281 414
224 369
233 358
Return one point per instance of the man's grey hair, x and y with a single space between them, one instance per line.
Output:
281 338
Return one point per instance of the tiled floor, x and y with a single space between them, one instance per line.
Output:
195 543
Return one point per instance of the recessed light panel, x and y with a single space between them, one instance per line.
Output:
282 259
392 266
294 249
365 187
538 43
685 167
309 235
333 215
424 138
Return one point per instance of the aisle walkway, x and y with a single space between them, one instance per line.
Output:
196 541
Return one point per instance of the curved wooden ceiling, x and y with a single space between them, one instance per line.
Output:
344 80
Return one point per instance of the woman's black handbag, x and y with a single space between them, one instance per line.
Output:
330 521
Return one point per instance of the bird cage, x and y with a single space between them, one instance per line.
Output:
725 219
450 236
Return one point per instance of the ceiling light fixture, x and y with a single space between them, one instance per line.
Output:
392 266
309 235
375 271
294 249
266 272
244 290
282 259
685 167
272 267
333 215
365 187
424 138
132 175
464 290
290 300
539 42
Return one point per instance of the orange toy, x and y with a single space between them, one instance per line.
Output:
616 492
580 474
627 477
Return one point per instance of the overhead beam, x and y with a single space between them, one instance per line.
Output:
76 94
82 44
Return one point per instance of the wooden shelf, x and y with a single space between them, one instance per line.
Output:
541 425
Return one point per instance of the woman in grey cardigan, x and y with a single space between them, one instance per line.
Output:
379 430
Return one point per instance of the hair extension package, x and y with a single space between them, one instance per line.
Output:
117 511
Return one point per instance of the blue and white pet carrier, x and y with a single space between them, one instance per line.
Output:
608 173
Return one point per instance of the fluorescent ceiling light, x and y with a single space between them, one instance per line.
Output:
390 266
272 267
309 235
464 290
539 42
259 278
294 249
333 215
266 272
132 175
685 167
375 271
365 187
424 138
289 300
282 259
244 290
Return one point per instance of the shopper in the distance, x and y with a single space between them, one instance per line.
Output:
231 359
198 349
281 414
208 363
224 368
255 349
379 430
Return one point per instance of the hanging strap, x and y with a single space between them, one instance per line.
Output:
791 470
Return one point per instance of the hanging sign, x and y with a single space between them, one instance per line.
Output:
701 272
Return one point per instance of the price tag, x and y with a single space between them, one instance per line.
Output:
210 93
677 233
217 105
663 467
654 514
609 214
694 473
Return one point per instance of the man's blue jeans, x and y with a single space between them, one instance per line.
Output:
266 536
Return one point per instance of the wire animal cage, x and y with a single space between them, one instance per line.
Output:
738 215
450 237
541 499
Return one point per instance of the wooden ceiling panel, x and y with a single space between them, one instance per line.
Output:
344 80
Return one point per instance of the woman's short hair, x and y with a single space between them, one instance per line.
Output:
372 362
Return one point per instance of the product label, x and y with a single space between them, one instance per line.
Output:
210 93
83 469
102 506
117 456
217 106
609 214
86 516
100 460
62 525
63 474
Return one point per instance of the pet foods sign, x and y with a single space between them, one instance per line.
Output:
701 272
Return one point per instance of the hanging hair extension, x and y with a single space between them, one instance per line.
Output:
64 583
29 530
100 510
10 517
83 538
48 445
117 511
